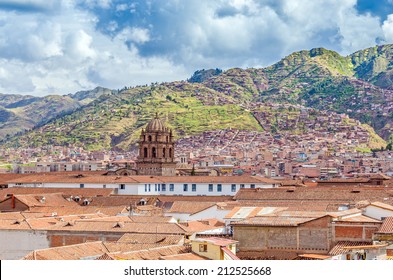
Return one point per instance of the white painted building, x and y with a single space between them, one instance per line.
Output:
149 185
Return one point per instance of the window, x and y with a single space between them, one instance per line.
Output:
171 187
185 187
163 152
202 247
149 137
194 187
155 187
82 186
145 152
252 186
122 186
210 187
242 186
163 187
149 187
104 186
158 186
145 187
219 187
153 152
233 187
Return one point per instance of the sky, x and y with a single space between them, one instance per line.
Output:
64 46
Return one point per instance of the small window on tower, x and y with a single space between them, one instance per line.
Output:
153 152
163 152
149 138
145 152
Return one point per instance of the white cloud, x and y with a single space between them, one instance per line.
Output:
65 49
387 28
134 34
104 4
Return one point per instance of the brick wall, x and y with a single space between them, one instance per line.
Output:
354 232
282 238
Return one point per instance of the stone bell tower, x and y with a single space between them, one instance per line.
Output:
156 150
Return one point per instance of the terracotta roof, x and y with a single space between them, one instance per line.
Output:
284 221
152 238
11 216
372 246
4 177
201 226
43 200
67 192
152 254
382 205
125 200
74 210
313 257
229 254
295 205
14 225
189 207
217 241
340 180
338 249
85 251
387 226
121 227
267 255
88 250
185 257
359 219
315 194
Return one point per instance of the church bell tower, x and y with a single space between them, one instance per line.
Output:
156 150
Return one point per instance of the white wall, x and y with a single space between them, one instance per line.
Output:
377 212
15 244
180 217
202 189
210 213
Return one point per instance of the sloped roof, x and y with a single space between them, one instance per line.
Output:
121 227
44 200
338 249
151 238
185 257
217 241
71 252
67 192
152 254
189 207
272 221
387 226
335 194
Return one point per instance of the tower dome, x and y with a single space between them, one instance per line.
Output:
155 125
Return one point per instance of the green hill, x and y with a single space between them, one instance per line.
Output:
357 85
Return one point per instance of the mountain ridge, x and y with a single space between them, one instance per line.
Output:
316 78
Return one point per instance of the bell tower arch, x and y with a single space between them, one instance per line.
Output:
156 150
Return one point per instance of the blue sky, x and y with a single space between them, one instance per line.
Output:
63 46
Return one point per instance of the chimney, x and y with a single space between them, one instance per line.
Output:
13 201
